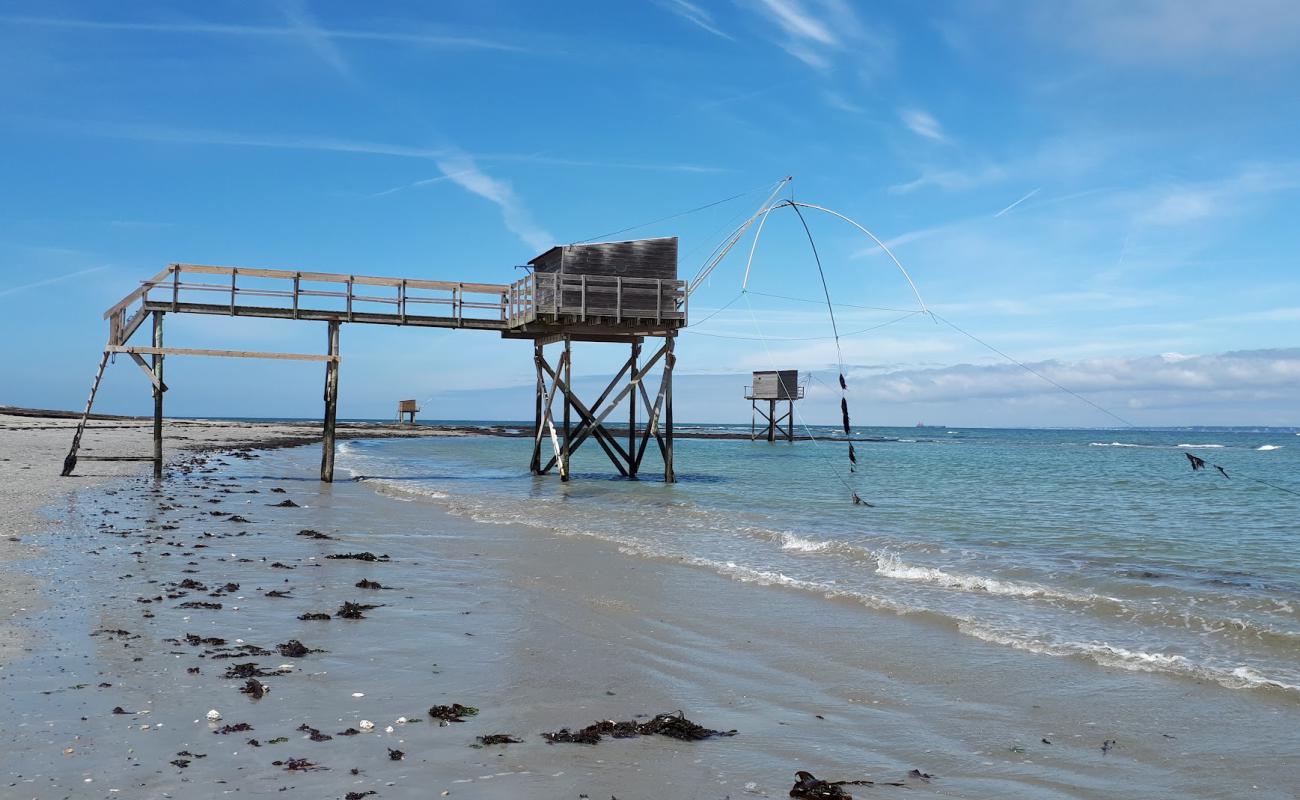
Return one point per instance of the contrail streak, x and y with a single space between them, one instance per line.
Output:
1018 202
48 281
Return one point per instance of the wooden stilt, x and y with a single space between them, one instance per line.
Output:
789 427
535 465
70 461
670 475
568 430
158 389
771 420
631 416
331 405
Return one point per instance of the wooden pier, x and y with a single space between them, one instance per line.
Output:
610 292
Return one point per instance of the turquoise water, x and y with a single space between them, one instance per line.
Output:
1100 545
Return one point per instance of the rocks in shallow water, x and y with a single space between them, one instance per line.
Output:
368 584
255 688
395 755
238 727
308 532
452 713
200 604
285 504
313 615
675 726
809 786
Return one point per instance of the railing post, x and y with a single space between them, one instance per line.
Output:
157 396
233 273
331 404
176 286
297 280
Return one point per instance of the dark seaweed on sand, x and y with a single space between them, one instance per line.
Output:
294 649
368 584
351 610
200 604
313 734
254 688
675 726
498 738
313 615
453 712
365 555
238 727
247 670
297 765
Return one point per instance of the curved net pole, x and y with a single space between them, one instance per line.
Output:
721 251
875 239
744 284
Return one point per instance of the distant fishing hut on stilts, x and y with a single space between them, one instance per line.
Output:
408 409
607 292
774 386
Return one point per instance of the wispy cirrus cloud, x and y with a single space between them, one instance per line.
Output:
291 31
5 291
695 15
461 170
922 123
817 32
314 37
200 136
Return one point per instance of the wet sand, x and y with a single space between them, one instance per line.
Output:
538 631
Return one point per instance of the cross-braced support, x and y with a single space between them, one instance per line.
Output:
566 439
773 427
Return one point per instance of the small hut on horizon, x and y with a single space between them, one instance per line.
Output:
774 386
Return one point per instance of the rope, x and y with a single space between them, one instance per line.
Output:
797 338
674 216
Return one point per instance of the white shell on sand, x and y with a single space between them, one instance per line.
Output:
214 715
366 725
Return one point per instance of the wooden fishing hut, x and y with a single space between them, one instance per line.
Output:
408 409
774 386
607 292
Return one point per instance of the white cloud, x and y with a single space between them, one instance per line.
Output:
695 15
817 32
462 171
1223 375
922 123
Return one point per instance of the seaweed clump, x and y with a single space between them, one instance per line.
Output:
675 726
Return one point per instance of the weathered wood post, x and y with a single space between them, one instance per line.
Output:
535 465
670 476
568 387
789 426
771 420
331 404
631 414
157 395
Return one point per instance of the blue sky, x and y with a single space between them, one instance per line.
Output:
1104 189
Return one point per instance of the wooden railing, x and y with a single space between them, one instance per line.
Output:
402 300
289 294
547 295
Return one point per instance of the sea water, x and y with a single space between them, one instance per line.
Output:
1098 545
